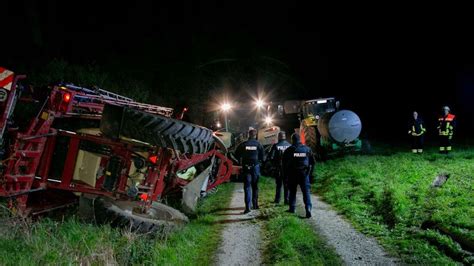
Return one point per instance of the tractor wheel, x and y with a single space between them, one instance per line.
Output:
158 218
311 138
159 130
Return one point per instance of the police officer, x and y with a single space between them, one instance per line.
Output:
446 126
417 132
250 153
276 159
298 162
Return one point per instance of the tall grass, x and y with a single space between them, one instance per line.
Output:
390 196
72 242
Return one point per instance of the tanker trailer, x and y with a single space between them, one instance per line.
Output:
329 131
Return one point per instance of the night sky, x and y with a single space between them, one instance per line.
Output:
382 62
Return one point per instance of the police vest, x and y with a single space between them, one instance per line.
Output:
300 157
250 152
280 149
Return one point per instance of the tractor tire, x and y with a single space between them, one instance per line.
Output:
159 218
158 130
311 137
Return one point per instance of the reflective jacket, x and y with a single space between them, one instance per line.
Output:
446 125
416 128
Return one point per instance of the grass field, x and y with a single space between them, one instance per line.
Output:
389 195
290 240
73 242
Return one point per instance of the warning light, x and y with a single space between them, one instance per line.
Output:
144 197
153 159
66 97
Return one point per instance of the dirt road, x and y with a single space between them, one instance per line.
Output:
241 242
353 247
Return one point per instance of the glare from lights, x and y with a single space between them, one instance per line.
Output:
226 107
268 120
218 124
259 103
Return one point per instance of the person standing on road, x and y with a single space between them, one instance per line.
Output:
250 154
276 159
417 132
446 127
298 163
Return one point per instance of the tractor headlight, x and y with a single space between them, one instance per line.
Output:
269 120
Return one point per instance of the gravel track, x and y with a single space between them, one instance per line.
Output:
241 241
353 247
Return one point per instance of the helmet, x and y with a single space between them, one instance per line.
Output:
281 135
446 108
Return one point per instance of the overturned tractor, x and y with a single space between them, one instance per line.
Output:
91 145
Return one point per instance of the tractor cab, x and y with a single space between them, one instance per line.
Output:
312 110
319 107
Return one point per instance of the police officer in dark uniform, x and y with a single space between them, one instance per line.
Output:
298 162
276 159
250 153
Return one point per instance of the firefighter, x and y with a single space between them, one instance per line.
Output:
250 153
275 157
298 162
446 126
417 132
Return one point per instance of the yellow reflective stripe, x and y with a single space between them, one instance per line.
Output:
448 148
442 148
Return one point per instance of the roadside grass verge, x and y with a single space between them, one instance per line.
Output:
288 239
390 197
73 242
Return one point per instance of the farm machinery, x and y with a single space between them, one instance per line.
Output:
91 145
322 126
328 130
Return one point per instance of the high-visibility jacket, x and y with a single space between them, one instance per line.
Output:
417 129
446 125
